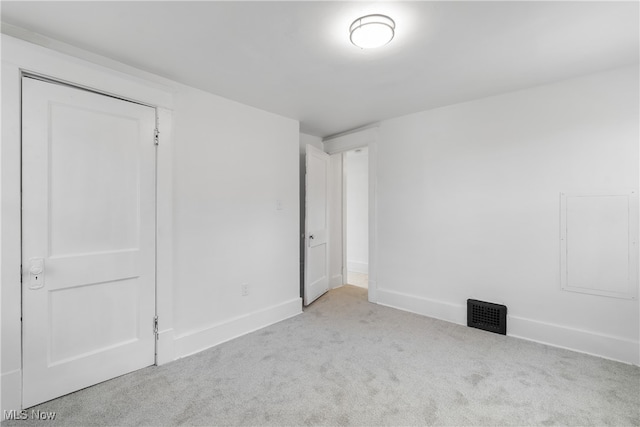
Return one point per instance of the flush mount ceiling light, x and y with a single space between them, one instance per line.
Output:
371 31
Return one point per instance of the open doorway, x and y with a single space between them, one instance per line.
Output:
356 216
353 169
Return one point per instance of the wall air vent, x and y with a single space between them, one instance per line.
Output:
487 316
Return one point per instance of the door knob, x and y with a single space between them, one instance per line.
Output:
36 273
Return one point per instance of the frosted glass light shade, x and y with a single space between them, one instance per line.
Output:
372 31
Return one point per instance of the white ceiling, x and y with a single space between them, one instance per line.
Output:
294 58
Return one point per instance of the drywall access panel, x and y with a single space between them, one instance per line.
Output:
599 243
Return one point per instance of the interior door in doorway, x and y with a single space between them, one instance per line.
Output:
316 260
88 230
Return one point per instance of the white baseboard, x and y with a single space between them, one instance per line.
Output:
601 345
605 346
358 267
166 347
454 313
196 341
336 281
11 392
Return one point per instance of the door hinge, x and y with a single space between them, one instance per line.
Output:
155 326
156 138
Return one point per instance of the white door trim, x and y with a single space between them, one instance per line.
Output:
344 270
19 56
365 137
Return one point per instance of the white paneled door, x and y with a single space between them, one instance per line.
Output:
88 238
316 260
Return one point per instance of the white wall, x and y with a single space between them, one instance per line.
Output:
233 164
468 206
357 207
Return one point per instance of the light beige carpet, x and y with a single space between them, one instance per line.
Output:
358 279
348 362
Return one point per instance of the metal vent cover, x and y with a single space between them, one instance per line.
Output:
487 316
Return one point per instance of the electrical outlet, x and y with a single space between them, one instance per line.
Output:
244 289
